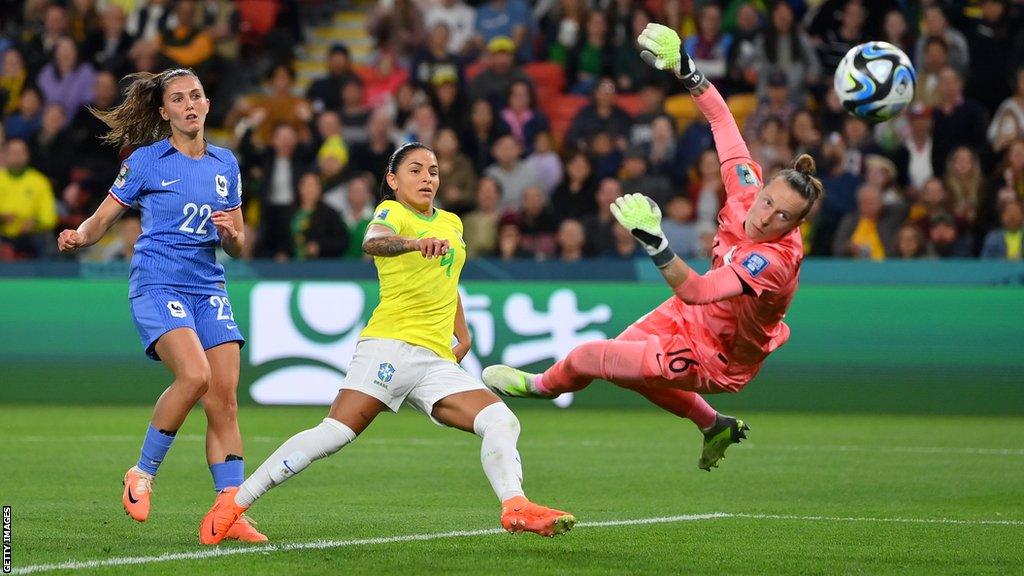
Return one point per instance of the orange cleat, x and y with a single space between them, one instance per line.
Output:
138 485
221 518
244 530
520 515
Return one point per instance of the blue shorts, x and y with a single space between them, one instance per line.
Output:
160 310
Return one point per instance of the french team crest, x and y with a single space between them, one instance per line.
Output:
222 186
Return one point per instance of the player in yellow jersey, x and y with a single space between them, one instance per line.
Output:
405 355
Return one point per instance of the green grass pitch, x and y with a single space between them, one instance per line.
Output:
807 494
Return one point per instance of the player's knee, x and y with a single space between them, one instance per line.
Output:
221 403
195 381
496 418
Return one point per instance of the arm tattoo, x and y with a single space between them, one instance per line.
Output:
701 88
388 246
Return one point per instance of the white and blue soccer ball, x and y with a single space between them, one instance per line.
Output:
875 81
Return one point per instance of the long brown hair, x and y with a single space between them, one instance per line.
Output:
801 177
137 121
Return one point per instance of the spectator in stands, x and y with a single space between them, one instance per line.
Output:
574 197
605 157
12 82
147 19
784 47
28 210
325 92
1008 121
680 228
663 153
458 17
282 166
398 28
448 100
26 121
544 163
744 54
842 185
965 184
1007 242
422 125
522 116
316 229
771 145
591 58
933 200
373 154
492 83
357 212
707 189
835 41
537 223
710 47
629 70
384 79
107 48
620 249
50 148
805 135
936 25
483 132
571 239
776 104
38 50
896 31
354 112
934 59
434 57
480 226
917 161
458 178
332 153
880 172
601 115
944 238
599 225
65 80
510 245
279 106
510 171
637 180
870 231
988 41
652 99
561 27
505 19
909 242
860 142
187 42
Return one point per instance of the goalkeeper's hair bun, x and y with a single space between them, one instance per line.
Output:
801 178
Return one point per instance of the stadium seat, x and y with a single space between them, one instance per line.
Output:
742 106
546 76
633 104
258 18
560 111
683 109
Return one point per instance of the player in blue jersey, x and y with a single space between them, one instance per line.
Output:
189 194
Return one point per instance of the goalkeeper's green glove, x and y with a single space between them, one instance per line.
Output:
661 48
642 217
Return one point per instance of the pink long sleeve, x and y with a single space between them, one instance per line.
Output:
728 142
718 284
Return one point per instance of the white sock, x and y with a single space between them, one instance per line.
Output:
499 428
293 456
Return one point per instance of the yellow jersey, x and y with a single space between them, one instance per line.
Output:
26 197
418 297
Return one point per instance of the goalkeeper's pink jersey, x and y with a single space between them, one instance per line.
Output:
746 328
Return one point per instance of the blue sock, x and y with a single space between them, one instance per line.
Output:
227 474
154 448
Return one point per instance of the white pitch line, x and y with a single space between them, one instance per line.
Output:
327 544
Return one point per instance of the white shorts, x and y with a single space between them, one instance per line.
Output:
394 371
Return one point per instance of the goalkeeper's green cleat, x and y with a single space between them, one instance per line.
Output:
726 432
508 381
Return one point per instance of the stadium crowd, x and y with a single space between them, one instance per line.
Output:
540 114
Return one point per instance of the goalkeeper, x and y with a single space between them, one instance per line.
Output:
716 330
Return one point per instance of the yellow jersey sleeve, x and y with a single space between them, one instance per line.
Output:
418 296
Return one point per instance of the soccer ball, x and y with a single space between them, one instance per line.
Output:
875 81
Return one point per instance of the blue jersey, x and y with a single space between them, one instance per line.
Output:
177 195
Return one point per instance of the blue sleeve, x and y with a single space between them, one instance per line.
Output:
131 180
234 185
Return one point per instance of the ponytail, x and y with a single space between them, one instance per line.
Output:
801 177
137 121
386 193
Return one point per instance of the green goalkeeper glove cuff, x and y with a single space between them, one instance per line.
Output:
642 217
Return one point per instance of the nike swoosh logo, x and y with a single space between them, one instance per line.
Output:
231 326
130 497
169 182
421 234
